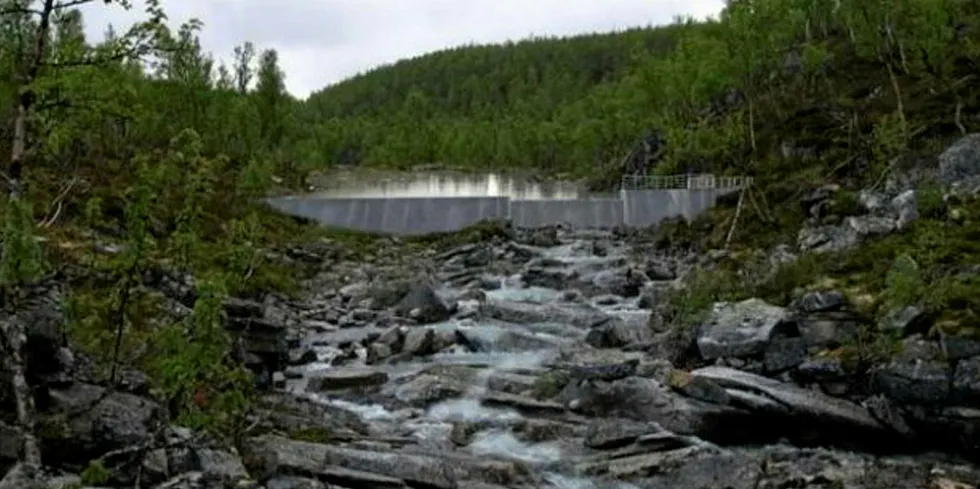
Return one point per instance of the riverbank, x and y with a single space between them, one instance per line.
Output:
533 362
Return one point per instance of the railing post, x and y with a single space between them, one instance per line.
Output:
627 220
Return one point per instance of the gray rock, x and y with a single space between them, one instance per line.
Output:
377 353
420 341
511 383
220 465
905 321
558 278
869 226
828 329
826 238
959 347
609 371
906 206
422 297
742 329
650 296
658 270
293 482
425 389
102 421
917 375
363 468
544 237
822 370
23 476
525 405
696 467
605 434
288 413
624 282
578 315
798 400
820 301
783 354
303 356
961 160
617 332
700 388
966 382
346 378
646 400
10 442
505 338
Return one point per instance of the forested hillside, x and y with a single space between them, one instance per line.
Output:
553 104
726 94
140 154
134 161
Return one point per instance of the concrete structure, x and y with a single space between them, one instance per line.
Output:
648 207
396 215
643 201
579 213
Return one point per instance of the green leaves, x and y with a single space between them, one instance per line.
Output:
191 365
21 258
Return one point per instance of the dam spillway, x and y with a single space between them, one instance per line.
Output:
640 203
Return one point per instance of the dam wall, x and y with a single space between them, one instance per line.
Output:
642 202
578 213
396 215
644 208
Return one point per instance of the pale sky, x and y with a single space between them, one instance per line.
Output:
321 42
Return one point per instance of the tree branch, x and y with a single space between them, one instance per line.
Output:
75 105
70 4
57 203
21 9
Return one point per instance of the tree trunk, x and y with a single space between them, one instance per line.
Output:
16 341
18 151
14 337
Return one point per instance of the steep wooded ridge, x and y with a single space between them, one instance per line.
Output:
138 279
554 105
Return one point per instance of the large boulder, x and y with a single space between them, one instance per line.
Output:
84 421
743 329
960 161
424 304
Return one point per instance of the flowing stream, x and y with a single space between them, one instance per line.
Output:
539 344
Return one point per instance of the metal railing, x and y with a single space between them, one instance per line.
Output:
696 181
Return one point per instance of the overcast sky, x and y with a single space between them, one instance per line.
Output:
324 41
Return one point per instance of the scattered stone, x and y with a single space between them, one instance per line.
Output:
345 379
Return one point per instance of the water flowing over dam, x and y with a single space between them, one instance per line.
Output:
642 201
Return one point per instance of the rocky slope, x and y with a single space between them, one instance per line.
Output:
534 362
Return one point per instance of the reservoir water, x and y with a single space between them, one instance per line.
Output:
447 184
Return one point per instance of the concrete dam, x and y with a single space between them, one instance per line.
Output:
642 202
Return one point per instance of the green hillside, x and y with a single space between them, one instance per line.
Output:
120 167
832 97
555 104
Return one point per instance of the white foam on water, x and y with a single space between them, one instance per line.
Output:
496 361
435 425
470 410
504 444
428 429
367 412
533 294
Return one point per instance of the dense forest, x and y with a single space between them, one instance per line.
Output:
142 143
555 105
725 93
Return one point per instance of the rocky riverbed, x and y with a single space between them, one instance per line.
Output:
541 362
